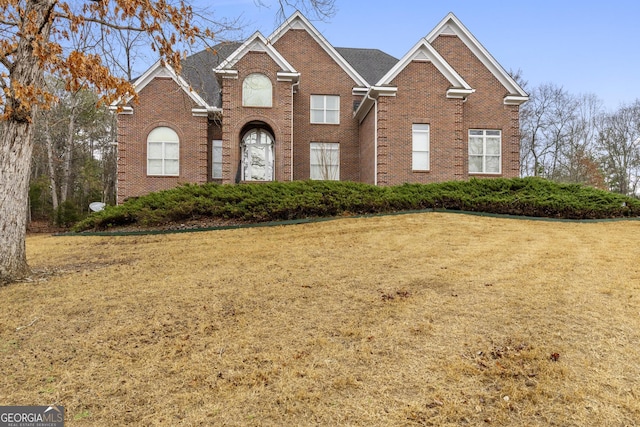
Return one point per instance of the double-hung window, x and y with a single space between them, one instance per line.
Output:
163 152
485 148
325 161
325 109
420 147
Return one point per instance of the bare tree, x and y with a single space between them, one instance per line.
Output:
539 130
558 136
619 141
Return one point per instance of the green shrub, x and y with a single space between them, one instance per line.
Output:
67 214
307 199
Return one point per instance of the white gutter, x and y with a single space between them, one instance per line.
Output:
123 110
375 138
515 99
284 76
295 83
227 74
459 93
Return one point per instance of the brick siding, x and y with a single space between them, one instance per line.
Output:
277 119
162 103
420 99
320 75
485 108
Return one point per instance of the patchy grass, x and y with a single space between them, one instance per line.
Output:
423 319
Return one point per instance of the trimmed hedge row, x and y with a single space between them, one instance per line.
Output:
306 199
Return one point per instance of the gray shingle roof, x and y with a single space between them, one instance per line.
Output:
197 70
371 64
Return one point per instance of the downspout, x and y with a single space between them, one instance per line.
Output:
292 92
375 138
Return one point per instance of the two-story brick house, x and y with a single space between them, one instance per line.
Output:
293 107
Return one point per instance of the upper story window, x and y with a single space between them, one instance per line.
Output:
325 109
485 148
163 152
257 91
420 147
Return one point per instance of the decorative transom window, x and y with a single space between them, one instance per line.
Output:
485 148
325 109
325 161
257 91
163 152
420 147
257 155
216 159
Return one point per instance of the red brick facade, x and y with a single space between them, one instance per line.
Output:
374 132
162 103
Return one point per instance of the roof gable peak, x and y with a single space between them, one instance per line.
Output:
159 70
424 52
452 26
297 21
256 43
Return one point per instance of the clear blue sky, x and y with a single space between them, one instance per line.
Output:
583 46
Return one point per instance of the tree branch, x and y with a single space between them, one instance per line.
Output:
106 24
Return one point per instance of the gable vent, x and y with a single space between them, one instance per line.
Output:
447 30
257 47
421 56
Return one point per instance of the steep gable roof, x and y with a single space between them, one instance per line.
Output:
257 43
424 52
298 21
161 69
371 64
451 25
197 70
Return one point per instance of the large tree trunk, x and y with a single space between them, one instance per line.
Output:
16 147
16 143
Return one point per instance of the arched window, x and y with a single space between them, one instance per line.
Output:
163 152
256 91
257 155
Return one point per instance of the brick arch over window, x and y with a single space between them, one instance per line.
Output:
163 152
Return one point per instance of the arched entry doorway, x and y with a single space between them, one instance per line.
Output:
257 154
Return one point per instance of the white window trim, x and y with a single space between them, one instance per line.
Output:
416 130
216 143
329 148
484 137
324 110
163 157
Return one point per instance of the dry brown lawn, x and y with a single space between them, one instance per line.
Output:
422 319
